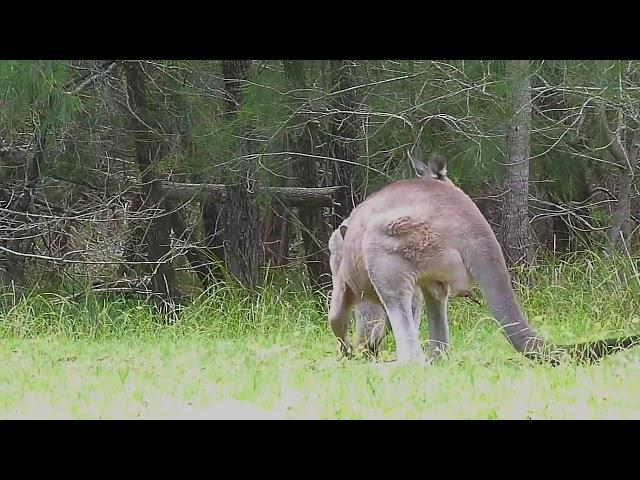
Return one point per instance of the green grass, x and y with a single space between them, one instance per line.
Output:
229 358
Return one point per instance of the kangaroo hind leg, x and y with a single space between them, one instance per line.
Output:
436 307
395 288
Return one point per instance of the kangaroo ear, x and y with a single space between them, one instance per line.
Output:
438 165
343 230
417 161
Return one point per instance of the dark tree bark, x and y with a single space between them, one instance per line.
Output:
213 226
543 226
244 255
22 236
204 269
157 234
621 228
275 236
515 222
345 139
313 229
243 248
626 156
135 248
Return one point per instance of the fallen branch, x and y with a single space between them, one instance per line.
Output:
292 196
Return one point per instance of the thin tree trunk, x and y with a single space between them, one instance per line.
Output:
627 160
134 249
242 238
345 140
157 236
515 222
275 223
313 229
196 259
22 236
213 226
275 236
305 169
542 228
243 248
621 228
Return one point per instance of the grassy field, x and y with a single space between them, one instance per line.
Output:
276 359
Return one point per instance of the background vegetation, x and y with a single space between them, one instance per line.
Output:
148 208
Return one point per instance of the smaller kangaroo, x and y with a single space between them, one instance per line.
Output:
372 323
427 234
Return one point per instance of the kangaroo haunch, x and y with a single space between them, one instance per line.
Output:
426 234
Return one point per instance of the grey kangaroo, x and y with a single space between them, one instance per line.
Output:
426 234
372 323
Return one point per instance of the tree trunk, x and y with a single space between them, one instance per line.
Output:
157 236
275 236
627 159
276 224
313 229
515 221
213 226
243 249
135 248
305 169
344 139
196 259
541 227
621 228
22 236
242 238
